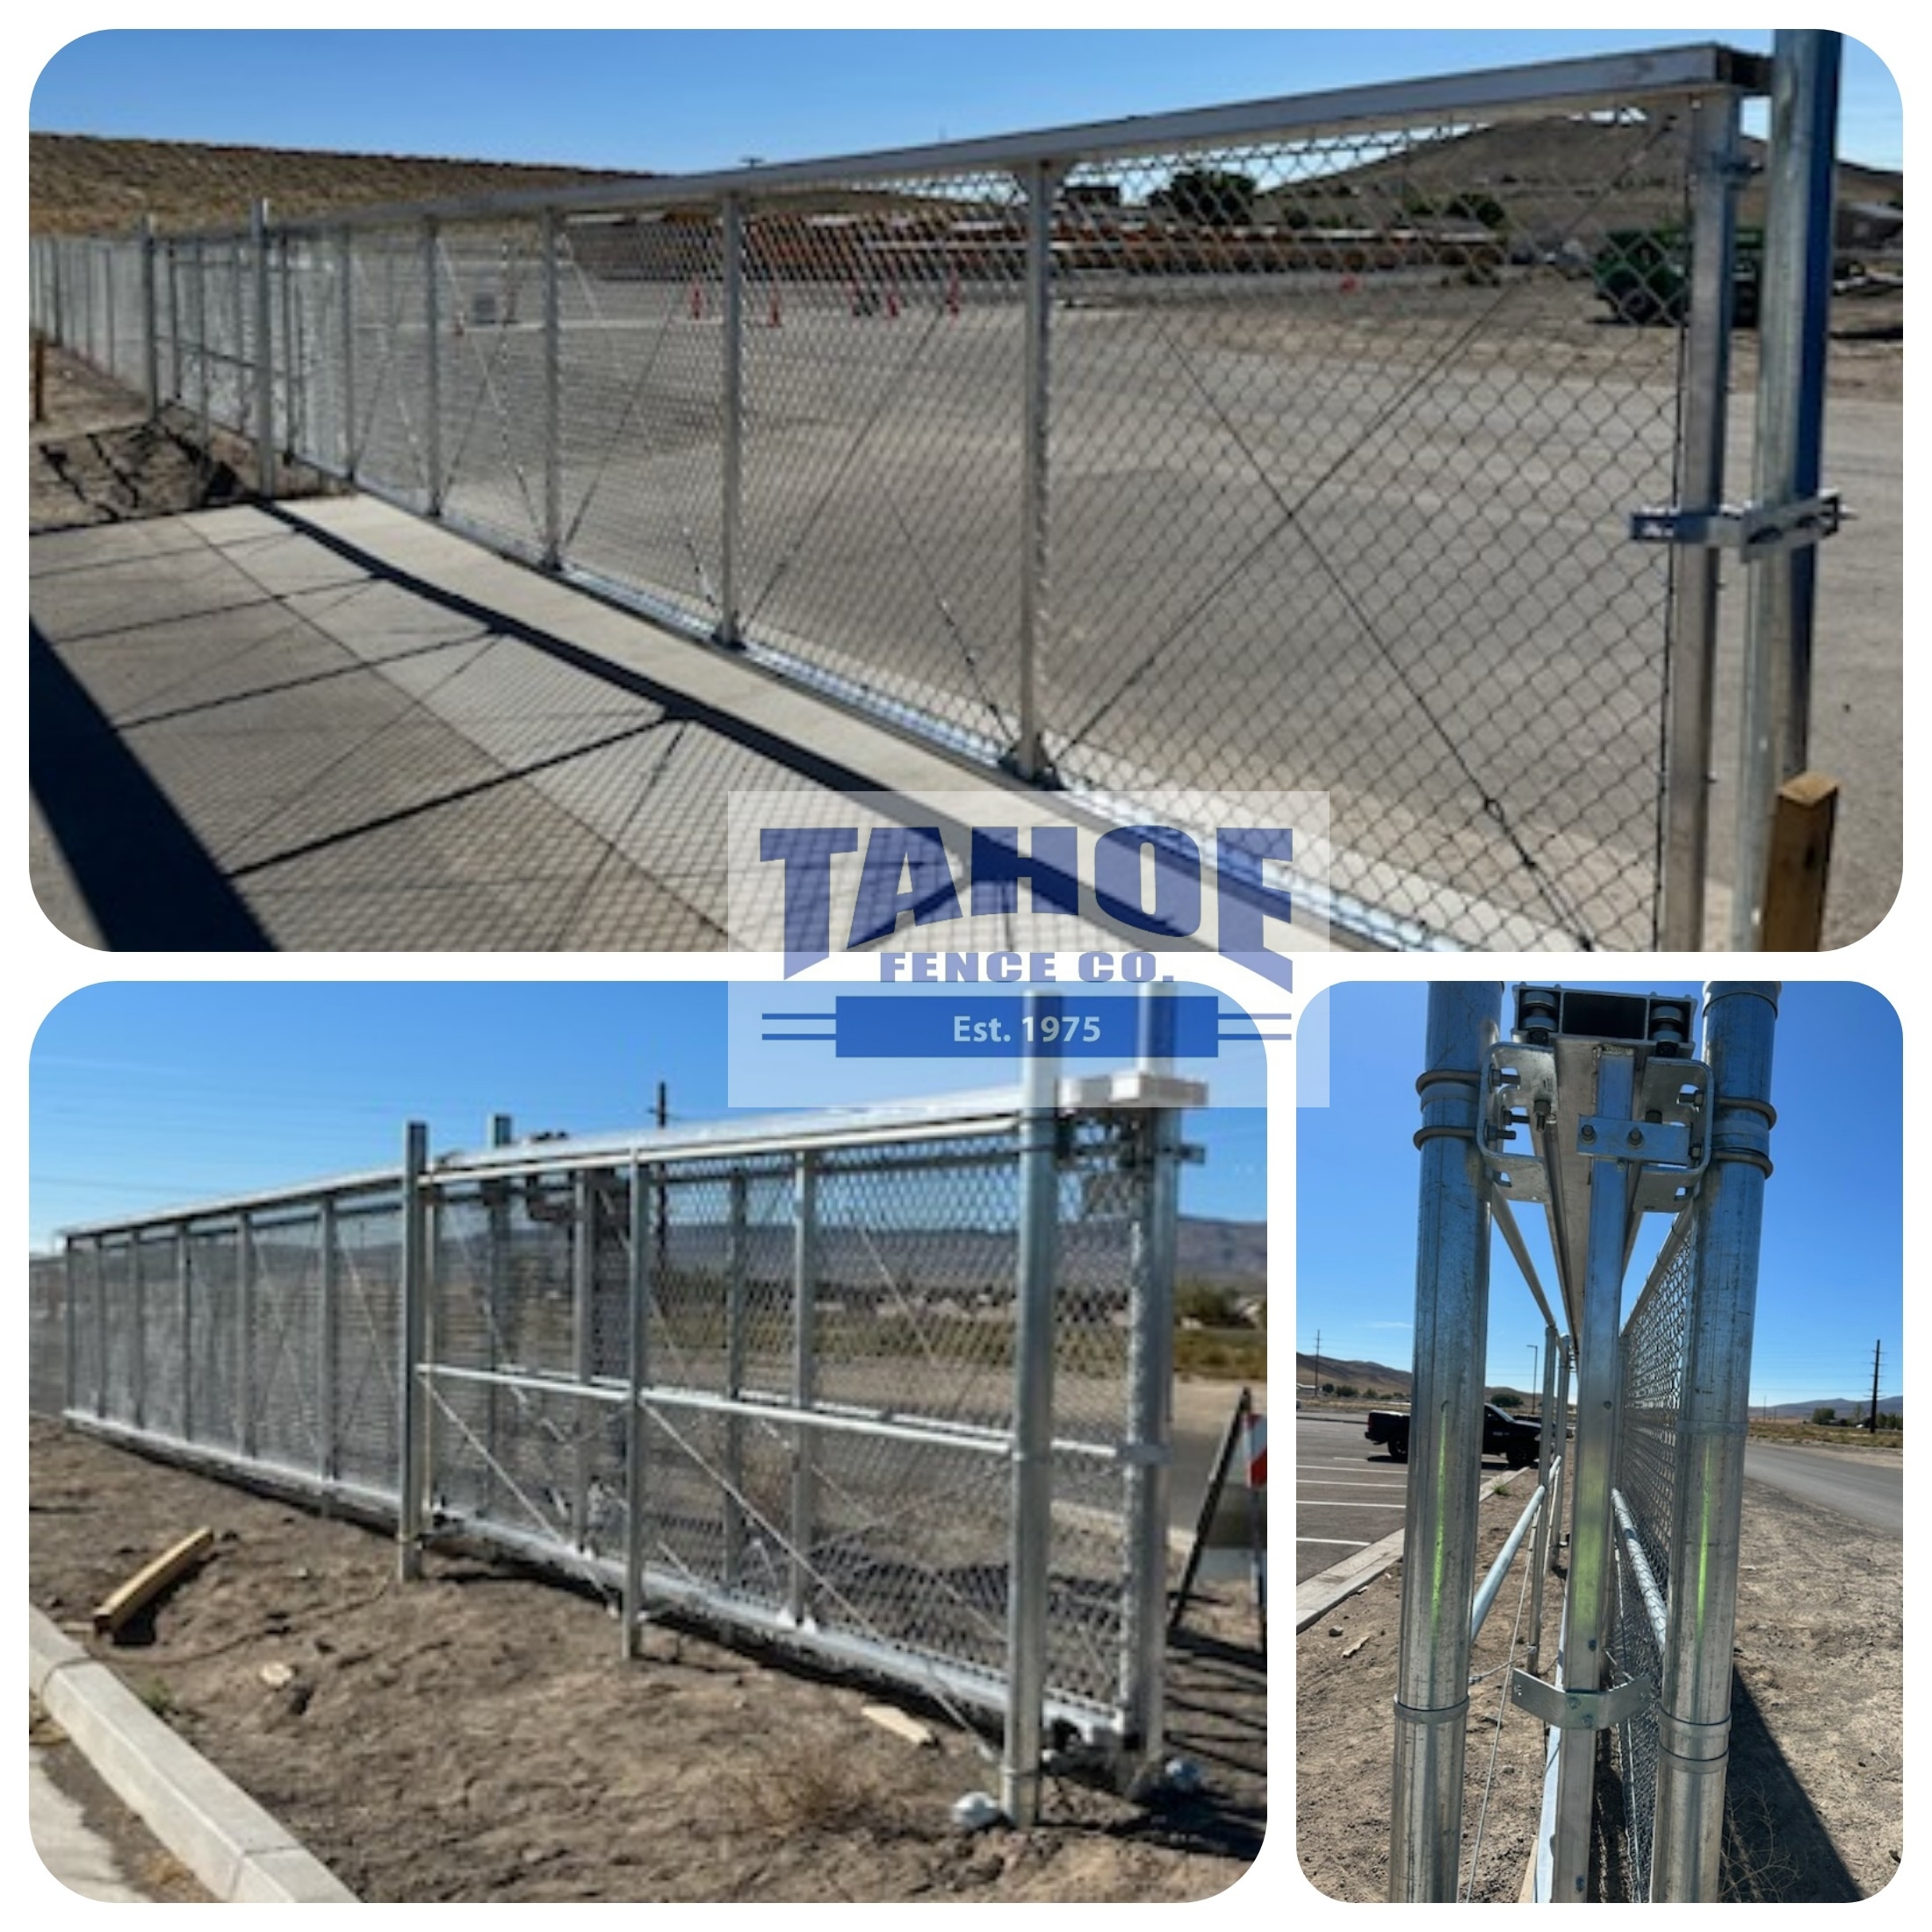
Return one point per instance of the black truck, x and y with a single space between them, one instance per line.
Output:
1516 1438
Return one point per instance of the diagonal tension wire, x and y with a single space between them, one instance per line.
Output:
888 395
1570 915
1496 1740
486 367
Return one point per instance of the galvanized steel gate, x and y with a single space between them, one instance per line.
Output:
1286 443
1597 1109
892 1387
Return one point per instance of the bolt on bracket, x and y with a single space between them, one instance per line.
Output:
1752 529
1580 1710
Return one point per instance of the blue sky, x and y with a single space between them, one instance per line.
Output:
685 100
1830 1280
152 1096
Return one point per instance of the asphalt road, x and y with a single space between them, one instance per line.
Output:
1867 1486
1348 1494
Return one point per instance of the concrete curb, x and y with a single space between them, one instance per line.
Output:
209 1822
1316 1595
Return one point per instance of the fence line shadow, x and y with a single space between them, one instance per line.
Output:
1777 1847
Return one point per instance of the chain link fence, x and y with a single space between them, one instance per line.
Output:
773 1379
1299 438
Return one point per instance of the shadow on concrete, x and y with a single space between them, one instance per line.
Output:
149 883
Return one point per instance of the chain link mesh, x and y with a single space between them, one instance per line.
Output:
1339 432
1655 1341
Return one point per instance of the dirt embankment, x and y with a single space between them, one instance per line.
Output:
476 1735
1814 1801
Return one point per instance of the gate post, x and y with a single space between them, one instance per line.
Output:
412 1329
1794 306
1032 1528
346 273
1714 183
244 1336
583 1292
1444 1447
1554 1440
734 1384
264 351
329 1456
732 475
1694 1710
553 391
1028 759
432 409
637 1292
150 344
804 1377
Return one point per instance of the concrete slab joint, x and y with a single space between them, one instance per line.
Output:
230 1844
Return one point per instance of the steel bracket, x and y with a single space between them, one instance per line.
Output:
1580 1710
1752 529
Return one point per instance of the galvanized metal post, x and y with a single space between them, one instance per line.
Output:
1794 314
1694 1710
1029 1567
734 1383
328 1344
109 360
1029 758
731 519
70 1322
432 350
346 276
202 345
548 229
500 1133
100 1328
184 1282
412 1472
1547 1450
150 341
174 391
243 421
264 350
638 1290
244 1340
1715 179
805 1378
138 1365
1444 1447
583 1292
1149 1430
56 256
1598 1361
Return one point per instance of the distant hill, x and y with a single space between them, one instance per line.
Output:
87 184
1858 1409
1376 1375
1549 176
1223 1254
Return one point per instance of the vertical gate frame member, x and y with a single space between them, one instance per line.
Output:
203 396
174 325
1694 1711
1587 1600
549 228
1444 1447
1715 181
1150 1396
734 1383
1032 1527
805 1379
291 361
432 374
244 1333
1794 310
496 1208
732 473
412 1333
150 341
346 296
639 1290
586 1420
1551 1445
1029 757
328 1364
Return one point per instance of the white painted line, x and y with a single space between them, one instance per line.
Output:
1326 1482
1344 1503
1344 1542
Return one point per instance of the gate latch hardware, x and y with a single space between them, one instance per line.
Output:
1753 529
1580 1710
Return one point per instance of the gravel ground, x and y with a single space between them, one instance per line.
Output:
475 1736
1814 1807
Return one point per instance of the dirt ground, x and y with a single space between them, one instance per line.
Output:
1814 1807
476 1736
94 457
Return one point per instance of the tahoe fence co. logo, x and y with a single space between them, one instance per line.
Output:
997 886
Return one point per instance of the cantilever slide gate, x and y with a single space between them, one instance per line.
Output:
1600 1108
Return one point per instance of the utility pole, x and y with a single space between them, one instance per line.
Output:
1873 1424
1317 1388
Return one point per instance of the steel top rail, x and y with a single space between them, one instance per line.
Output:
1539 88
974 1112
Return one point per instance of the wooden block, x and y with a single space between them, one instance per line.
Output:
899 1723
1799 863
146 1584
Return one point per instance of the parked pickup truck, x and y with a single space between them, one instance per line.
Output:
1515 1438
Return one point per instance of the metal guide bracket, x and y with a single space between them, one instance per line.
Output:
1667 1139
1753 529
1580 1710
